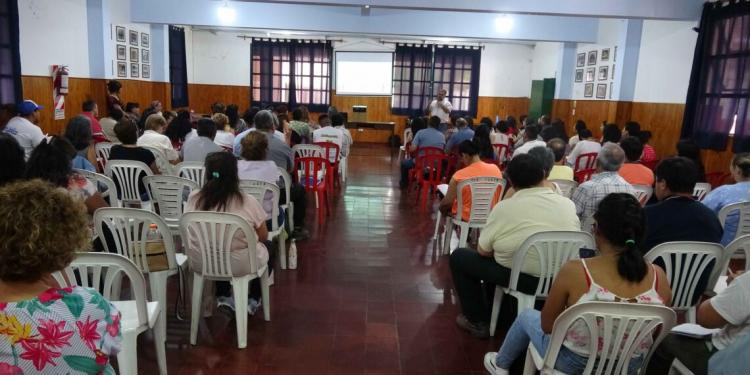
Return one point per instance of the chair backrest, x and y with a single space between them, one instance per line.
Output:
423 152
103 271
742 210
170 194
126 174
331 150
617 328
407 136
102 153
684 263
740 245
212 233
307 150
287 178
565 187
501 151
483 192
192 170
585 161
583 175
311 171
165 167
258 189
643 193
102 182
554 249
431 168
129 228
700 190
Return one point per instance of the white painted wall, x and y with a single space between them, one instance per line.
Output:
506 70
53 33
544 60
665 61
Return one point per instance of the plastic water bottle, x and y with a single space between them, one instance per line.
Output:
293 255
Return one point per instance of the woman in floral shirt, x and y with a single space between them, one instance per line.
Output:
44 328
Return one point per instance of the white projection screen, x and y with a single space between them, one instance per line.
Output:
364 73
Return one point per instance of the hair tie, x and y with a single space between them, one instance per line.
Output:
215 174
630 242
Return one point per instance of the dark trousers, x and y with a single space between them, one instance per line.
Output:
224 288
299 199
469 270
406 166
692 352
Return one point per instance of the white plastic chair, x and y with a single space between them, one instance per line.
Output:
99 180
684 263
258 190
193 171
402 149
169 194
700 190
566 187
620 327
483 190
129 228
741 247
213 232
103 272
288 207
643 193
554 249
742 210
126 173
165 167
343 167
102 150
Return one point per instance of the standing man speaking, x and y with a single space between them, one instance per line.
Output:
441 108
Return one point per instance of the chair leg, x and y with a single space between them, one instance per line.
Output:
464 237
266 296
290 214
282 251
158 284
240 286
127 359
447 234
529 367
496 303
195 311
438 219
160 340
690 315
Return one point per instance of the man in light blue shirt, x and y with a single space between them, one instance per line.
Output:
196 148
729 194
429 137
463 134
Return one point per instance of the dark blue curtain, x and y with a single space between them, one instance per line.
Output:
178 67
456 70
720 79
10 58
411 79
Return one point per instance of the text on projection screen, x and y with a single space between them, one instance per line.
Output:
364 73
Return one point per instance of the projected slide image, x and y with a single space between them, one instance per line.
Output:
364 73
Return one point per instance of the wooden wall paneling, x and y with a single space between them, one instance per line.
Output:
492 106
202 96
664 120
718 161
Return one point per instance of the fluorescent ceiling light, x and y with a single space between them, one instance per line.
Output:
226 14
504 23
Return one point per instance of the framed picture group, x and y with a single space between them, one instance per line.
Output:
133 54
595 69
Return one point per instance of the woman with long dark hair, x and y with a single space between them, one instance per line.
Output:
483 142
179 129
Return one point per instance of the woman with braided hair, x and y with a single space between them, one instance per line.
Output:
618 273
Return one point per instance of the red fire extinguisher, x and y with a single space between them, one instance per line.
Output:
61 80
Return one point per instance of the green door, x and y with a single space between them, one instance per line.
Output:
542 93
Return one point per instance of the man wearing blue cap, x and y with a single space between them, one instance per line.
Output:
24 127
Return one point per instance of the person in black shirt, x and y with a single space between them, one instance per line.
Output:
127 133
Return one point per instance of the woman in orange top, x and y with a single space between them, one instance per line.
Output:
475 167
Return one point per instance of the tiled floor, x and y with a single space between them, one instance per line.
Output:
369 297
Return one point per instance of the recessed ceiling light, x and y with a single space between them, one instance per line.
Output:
226 14
504 23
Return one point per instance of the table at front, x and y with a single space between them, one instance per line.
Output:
371 131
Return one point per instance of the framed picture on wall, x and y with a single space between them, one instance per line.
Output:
592 58
580 60
601 91
122 69
579 75
121 54
144 40
145 56
145 71
134 70
603 73
605 54
590 74
588 90
120 34
133 54
133 38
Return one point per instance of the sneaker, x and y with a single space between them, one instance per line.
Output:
253 306
479 330
491 366
227 302
300 234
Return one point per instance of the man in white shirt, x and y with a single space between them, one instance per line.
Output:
24 127
441 108
329 133
531 140
347 140
586 145
154 137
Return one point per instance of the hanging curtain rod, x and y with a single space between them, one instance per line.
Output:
245 37
433 43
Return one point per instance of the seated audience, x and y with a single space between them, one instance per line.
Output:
330 133
64 323
427 137
127 133
727 311
255 166
688 149
197 148
248 117
463 133
348 141
554 130
12 160
236 122
649 154
725 195
606 181
133 112
25 127
154 137
500 134
300 127
631 129
221 193
611 133
580 125
531 140
224 136
108 125
633 171
559 171
180 129
475 167
511 222
91 111
547 158
483 142
78 133
586 145
677 216
617 273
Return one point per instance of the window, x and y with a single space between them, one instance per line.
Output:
411 79
457 71
275 80
10 59
178 67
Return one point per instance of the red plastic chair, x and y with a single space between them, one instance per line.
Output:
311 174
430 175
717 179
333 153
421 153
585 161
584 175
651 164
502 151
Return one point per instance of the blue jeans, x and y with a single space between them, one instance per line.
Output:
406 166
